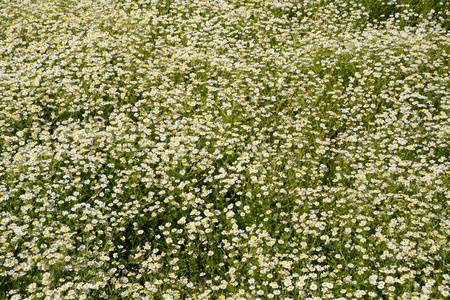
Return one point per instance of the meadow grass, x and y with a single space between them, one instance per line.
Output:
224 149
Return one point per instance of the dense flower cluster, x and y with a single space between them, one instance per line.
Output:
218 149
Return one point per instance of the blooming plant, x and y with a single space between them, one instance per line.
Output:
224 149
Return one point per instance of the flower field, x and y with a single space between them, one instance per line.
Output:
224 149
